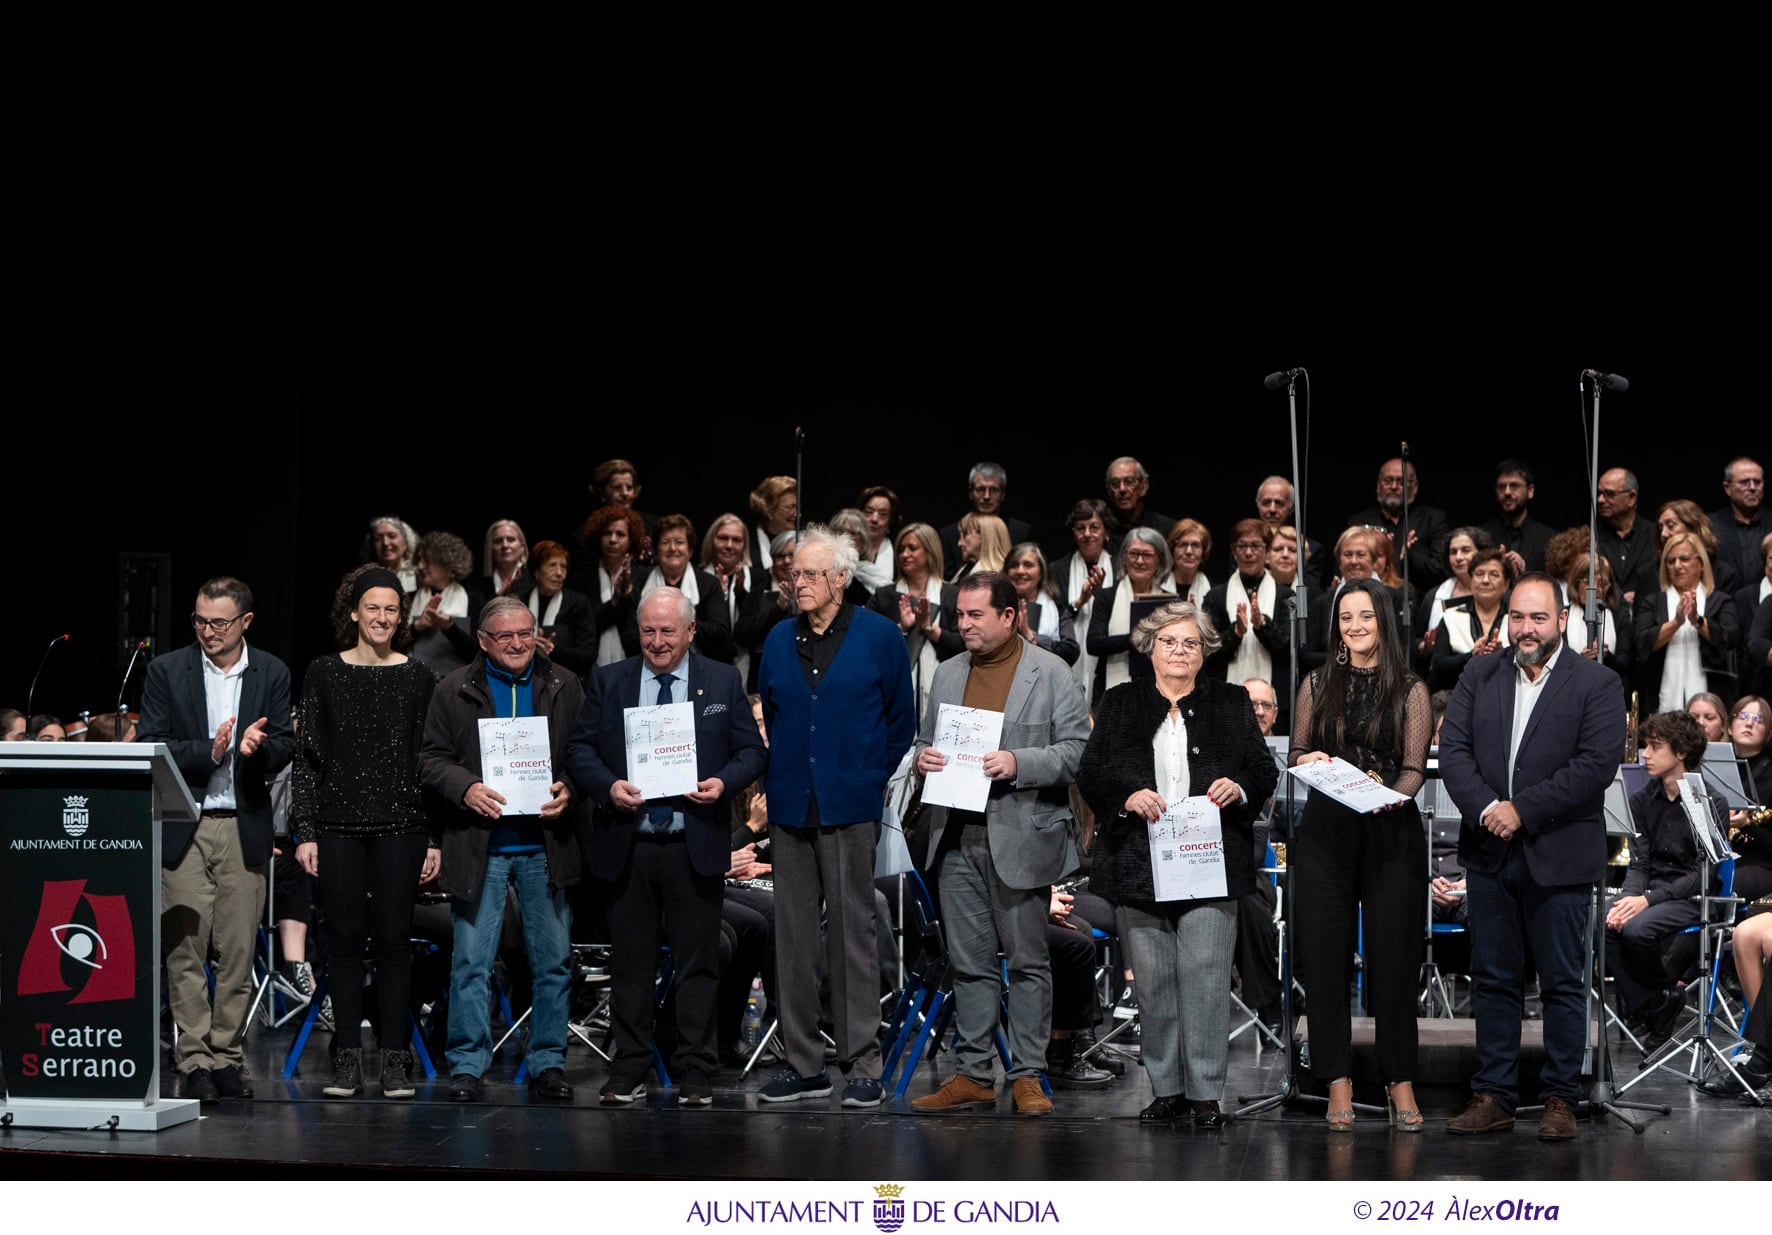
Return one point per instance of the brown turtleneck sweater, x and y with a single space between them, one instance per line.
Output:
987 685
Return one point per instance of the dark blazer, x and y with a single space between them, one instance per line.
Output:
175 711
1739 547
1223 740
1723 636
1529 540
1756 674
727 745
1568 756
575 630
449 765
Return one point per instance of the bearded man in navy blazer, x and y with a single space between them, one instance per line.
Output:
664 860
1527 748
223 712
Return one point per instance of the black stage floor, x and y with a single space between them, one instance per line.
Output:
291 1130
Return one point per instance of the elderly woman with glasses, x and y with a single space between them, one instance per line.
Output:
1159 741
1143 561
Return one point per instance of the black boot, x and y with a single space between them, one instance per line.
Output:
1067 1069
347 1073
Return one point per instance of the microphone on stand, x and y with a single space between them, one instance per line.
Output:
140 646
31 695
1611 381
1279 381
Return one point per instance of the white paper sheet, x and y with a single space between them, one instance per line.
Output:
661 749
1187 851
516 760
965 736
1347 784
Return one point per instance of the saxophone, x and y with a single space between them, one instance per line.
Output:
1740 837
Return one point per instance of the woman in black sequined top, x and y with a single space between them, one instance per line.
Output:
359 816
1363 875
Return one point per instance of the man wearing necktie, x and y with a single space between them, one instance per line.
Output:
662 863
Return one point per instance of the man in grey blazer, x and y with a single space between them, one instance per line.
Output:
996 866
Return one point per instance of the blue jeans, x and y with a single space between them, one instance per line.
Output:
547 933
1511 916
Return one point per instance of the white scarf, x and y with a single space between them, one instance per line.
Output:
1252 660
1437 609
1682 672
1048 625
1462 629
455 601
921 648
876 573
1119 665
688 587
609 649
553 609
1576 634
1196 592
1077 577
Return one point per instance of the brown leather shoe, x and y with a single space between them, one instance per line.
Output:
1558 1121
1483 1114
1029 1100
957 1093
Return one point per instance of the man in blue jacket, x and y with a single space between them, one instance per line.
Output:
1528 746
841 712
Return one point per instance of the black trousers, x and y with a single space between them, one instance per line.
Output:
1341 865
368 886
661 898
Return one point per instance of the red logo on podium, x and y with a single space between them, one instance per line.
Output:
106 949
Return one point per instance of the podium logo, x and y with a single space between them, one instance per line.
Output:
75 817
103 952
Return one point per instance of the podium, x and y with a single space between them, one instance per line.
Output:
80 933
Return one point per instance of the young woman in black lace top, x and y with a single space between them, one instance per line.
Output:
1365 707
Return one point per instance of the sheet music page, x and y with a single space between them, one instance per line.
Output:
965 736
516 760
661 748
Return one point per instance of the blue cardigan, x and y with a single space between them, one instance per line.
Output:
844 741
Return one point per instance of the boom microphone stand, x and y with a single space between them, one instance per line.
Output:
1288 1093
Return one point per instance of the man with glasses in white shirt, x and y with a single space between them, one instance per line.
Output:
223 713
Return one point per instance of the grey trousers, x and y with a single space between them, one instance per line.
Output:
1182 972
828 870
982 915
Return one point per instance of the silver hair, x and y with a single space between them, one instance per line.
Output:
990 471
1291 493
844 558
1146 536
782 540
1138 468
503 604
1144 635
685 607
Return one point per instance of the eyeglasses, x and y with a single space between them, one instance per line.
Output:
1250 545
218 625
1169 643
1752 718
807 576
1615 492
504 638
1141 555
1259 706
